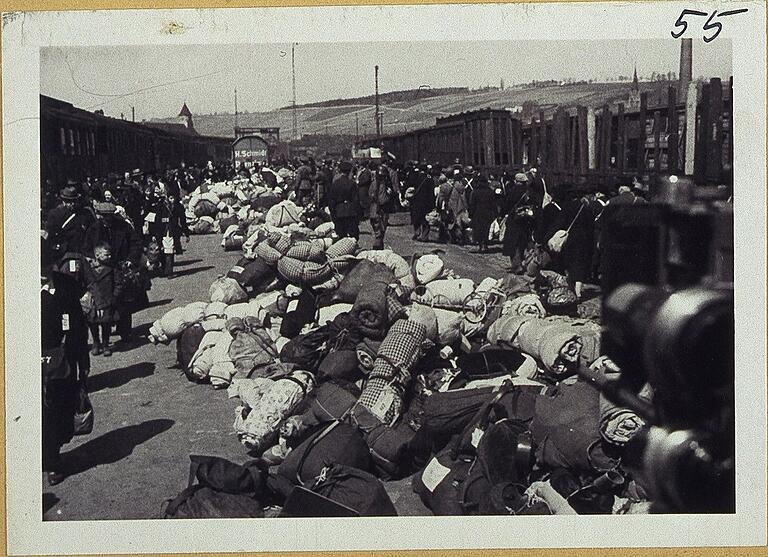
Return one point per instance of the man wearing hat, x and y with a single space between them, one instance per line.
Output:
344 202
67 223
521 215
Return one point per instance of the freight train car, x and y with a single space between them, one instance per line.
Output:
489 139
75 143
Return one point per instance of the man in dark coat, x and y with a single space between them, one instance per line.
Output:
364 180
520 221
482 211
421 203
576 255
344 203
61 319
67 223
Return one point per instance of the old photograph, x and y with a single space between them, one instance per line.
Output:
482 278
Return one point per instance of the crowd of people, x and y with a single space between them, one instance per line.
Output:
103 237
456 204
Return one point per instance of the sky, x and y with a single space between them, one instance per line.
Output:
157 80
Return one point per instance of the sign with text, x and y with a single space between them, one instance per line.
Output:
250 149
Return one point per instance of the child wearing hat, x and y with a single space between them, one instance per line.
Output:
100 301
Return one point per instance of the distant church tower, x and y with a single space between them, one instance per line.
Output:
186 113
633 100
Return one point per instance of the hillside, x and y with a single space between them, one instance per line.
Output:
415 113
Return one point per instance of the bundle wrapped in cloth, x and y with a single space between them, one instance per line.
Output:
266 404
560 345
172 324
528 304
393 261
444 292
252 349
227 290
383 394
375 309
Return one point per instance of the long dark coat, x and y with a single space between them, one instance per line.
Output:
519 229
482 210
60 321
577 251
424 199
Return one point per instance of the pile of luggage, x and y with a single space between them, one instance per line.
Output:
356 367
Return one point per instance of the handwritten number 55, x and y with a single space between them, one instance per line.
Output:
682 25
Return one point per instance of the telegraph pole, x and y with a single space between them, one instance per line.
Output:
357 127
235 110
293 81
133 114
376 116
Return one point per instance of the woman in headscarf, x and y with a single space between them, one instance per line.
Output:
482 210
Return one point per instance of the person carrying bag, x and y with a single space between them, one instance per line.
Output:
560 237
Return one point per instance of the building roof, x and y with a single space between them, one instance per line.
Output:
174 127
185 111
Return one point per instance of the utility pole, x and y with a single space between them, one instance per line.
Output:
376 116
235 111
133 114
357 127
293 81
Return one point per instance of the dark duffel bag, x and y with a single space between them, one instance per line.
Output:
478 469
357 489
252 273
445 414
333 443
223 490
186 346
390 449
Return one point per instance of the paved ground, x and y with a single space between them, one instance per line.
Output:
149 418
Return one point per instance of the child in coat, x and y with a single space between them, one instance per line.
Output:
104 288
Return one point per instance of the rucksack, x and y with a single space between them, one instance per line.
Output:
223 490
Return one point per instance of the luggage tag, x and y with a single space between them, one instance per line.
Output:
383 403
165 219
433 474
477 435
73 266
65 322
237 269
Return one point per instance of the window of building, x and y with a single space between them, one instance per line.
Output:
71 141
63 138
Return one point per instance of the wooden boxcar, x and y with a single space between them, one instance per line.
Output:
75 143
